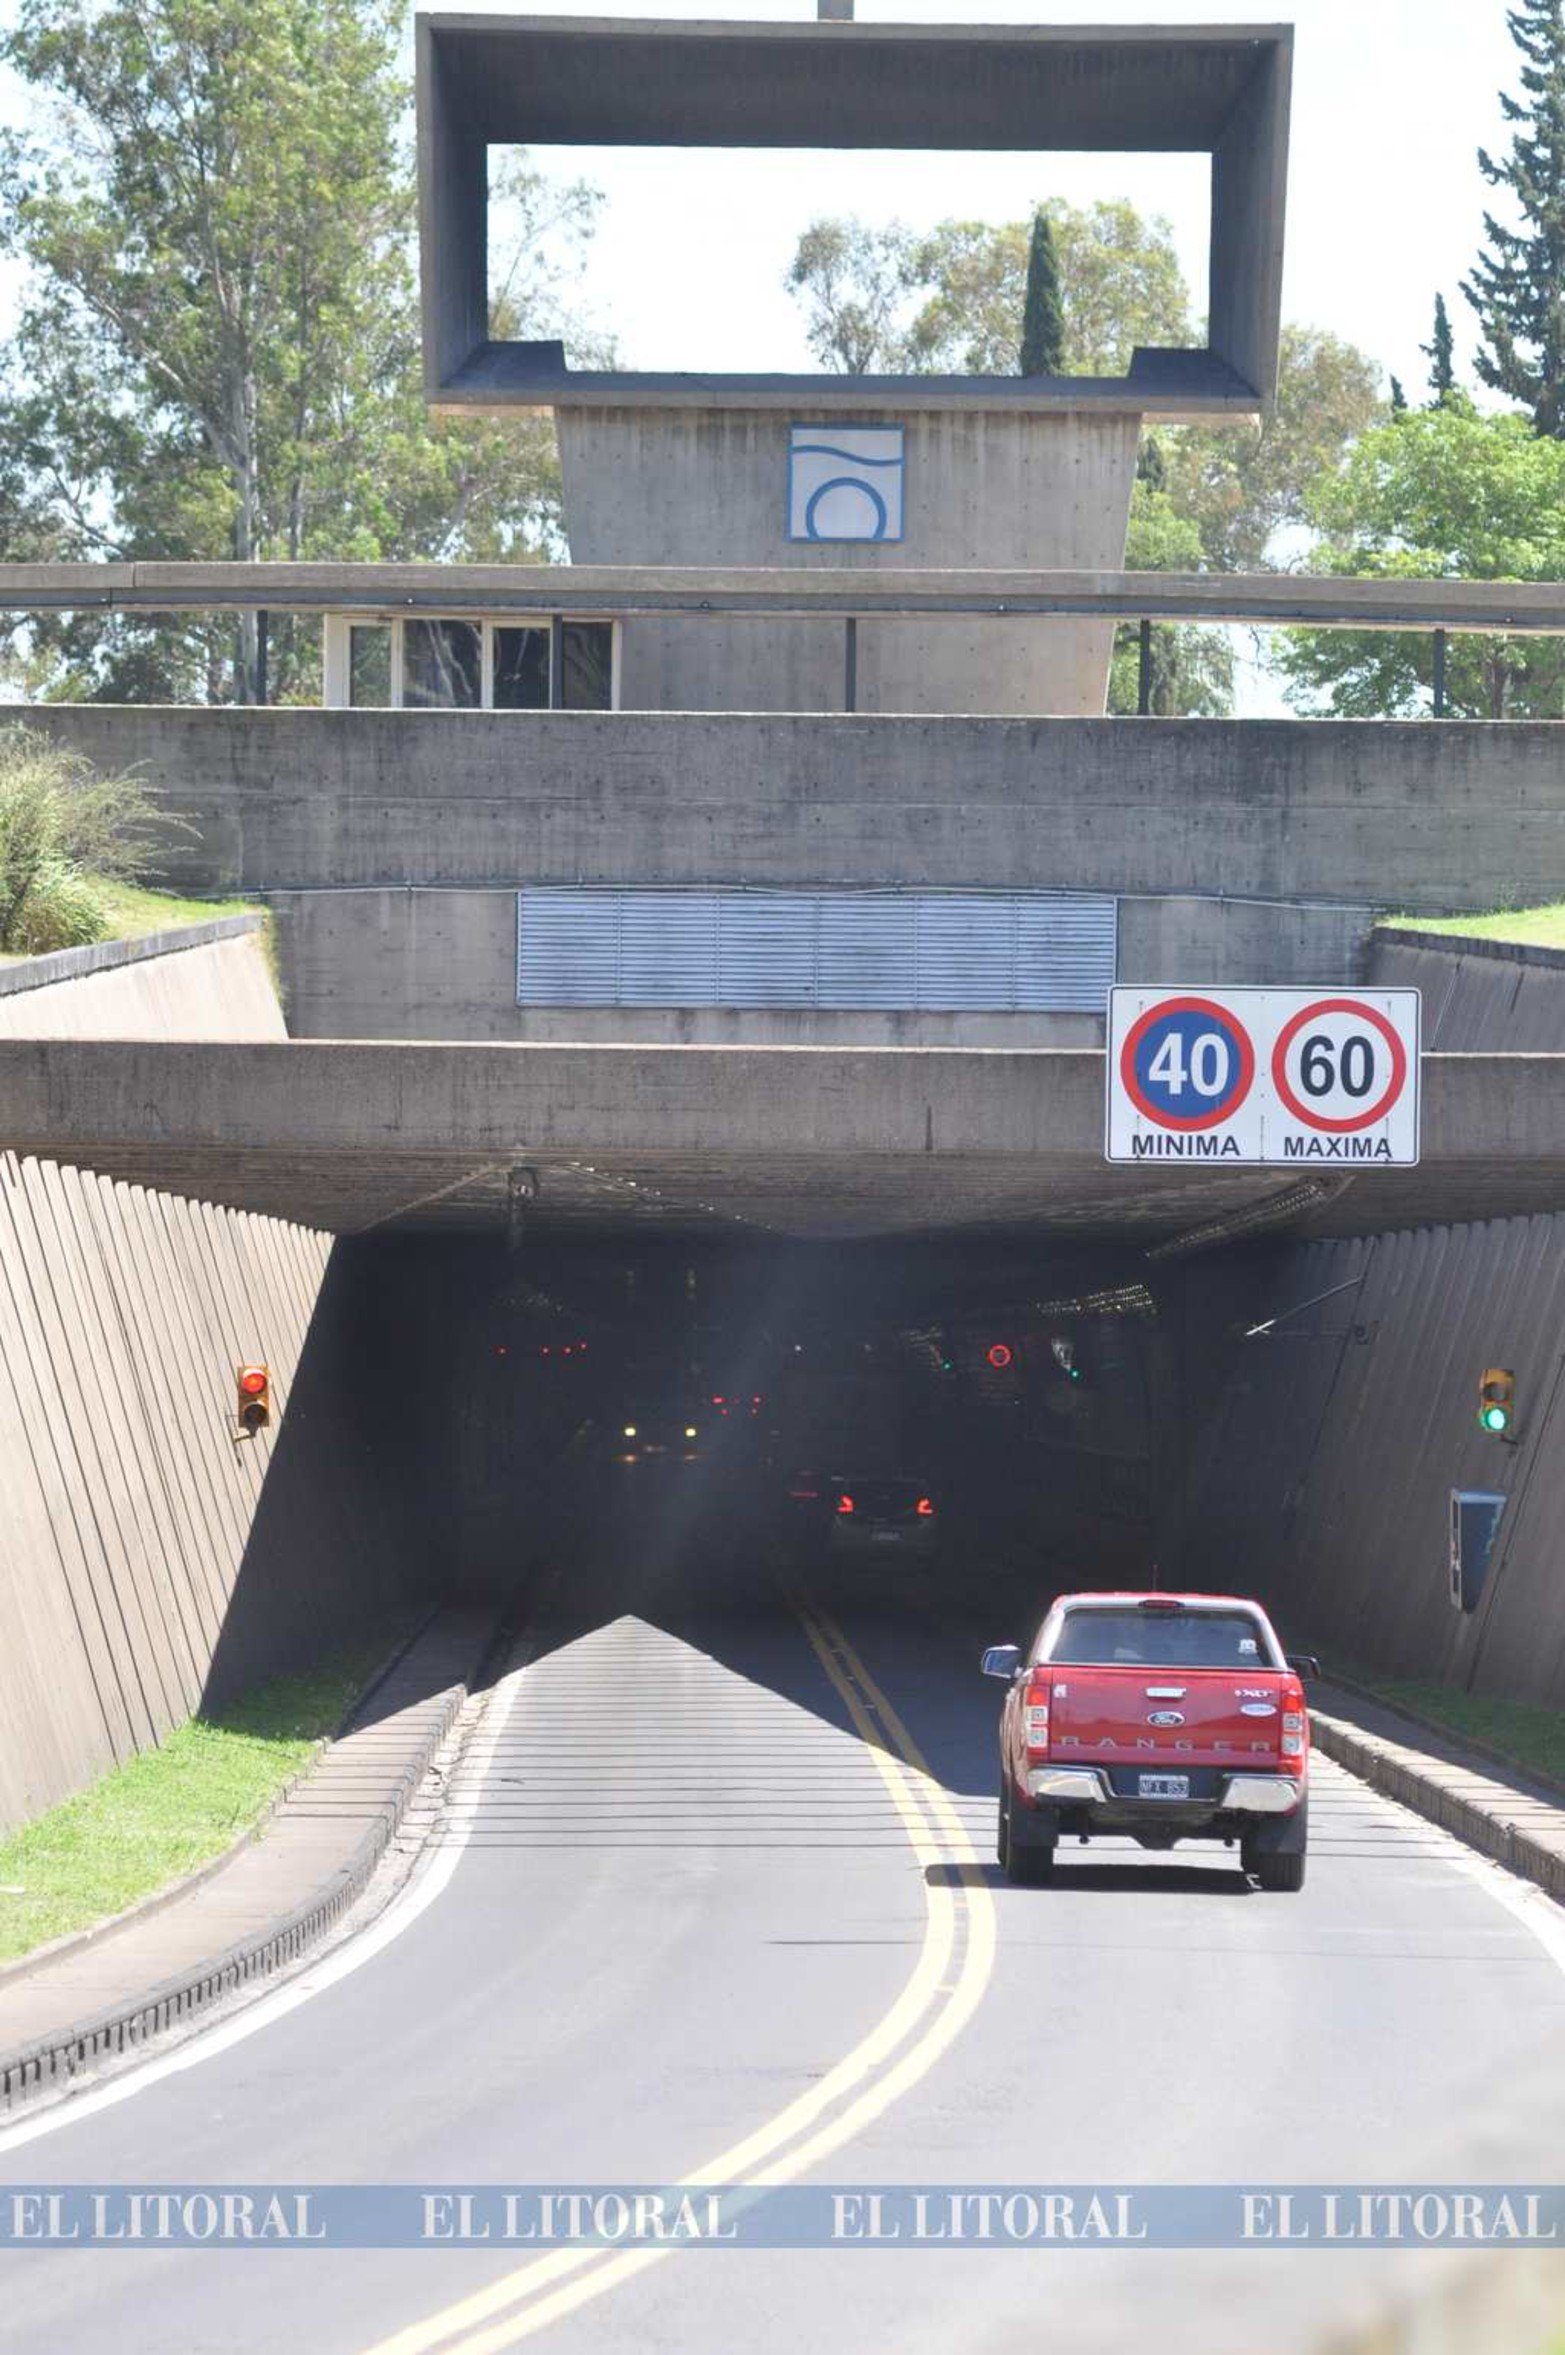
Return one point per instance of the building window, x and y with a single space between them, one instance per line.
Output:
369 664
442 665
586 665
453 665
521 669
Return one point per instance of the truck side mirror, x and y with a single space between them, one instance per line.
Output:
1002 1660
1304 1664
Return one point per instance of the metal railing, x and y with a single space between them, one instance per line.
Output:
851 594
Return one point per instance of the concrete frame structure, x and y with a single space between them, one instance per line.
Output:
999 471
1222 90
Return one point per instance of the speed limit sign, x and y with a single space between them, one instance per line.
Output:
1273 1076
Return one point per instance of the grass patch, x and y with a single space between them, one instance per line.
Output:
1531 1735
131 912
164 1812
1541 928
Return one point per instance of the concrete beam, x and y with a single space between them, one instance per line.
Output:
767 1141
1422 816
1270 600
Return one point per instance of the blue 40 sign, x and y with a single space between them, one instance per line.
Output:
1280 1077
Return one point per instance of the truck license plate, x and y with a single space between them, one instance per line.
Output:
1164 1786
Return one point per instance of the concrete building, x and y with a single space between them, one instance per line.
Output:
812 471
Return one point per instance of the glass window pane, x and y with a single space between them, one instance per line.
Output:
521 670
369 663
587 660
442 667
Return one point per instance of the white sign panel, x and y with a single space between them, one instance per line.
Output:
1291 1078
845 482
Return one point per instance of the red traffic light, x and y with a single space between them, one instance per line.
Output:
254 1386
1000 1355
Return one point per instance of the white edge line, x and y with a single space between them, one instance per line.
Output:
414 1899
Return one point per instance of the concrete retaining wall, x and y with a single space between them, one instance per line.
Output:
1324 1479
1436 817
145 1560
203 981
1480 996
433 964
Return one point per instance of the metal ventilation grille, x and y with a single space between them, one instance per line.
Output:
897 951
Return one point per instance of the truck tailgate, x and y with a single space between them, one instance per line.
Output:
1192 1716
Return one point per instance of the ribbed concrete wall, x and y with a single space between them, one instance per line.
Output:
1480 996
1324 1479
207 981
145 1558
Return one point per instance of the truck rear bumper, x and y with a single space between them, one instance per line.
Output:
1240 1794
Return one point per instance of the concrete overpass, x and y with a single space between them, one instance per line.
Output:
805 1142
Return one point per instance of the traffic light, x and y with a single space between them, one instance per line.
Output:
1497 1402
254 1386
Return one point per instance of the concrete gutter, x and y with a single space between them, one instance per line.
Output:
92 1999
1514 1817
102 956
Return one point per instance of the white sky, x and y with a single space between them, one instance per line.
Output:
1391 100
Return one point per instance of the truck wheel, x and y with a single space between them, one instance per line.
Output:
1283 1873
1025 1866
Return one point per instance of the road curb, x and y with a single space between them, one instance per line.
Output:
50 2065
1423 1786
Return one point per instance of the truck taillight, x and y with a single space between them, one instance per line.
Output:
926 1508
844 1504
1035 1718
1295 1720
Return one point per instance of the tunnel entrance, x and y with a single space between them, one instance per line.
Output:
927 1413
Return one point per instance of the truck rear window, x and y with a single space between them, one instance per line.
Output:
1162 1639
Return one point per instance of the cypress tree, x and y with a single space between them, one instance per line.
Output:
1043 313
1439 352
1398 398
1518 283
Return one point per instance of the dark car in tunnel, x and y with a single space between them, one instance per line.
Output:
1157 1717
853 1517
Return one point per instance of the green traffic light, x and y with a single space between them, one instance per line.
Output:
1495 1418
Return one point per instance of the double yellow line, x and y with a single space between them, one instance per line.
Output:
946 1986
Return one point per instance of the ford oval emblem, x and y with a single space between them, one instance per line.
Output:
1165 1717
1257 1708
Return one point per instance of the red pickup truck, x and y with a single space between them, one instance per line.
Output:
1160 1717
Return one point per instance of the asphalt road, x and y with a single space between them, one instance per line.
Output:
686 1890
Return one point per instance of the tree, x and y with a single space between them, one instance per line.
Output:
853 280
1439 352
1518 284
1398 398
1243 483
217 354
1043 316
1441 494
1120 285
1192 667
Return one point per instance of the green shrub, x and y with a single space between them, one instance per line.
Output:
58 819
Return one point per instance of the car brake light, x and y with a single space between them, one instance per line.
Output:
844 1504
1035 1717
1160 1603
926 1508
